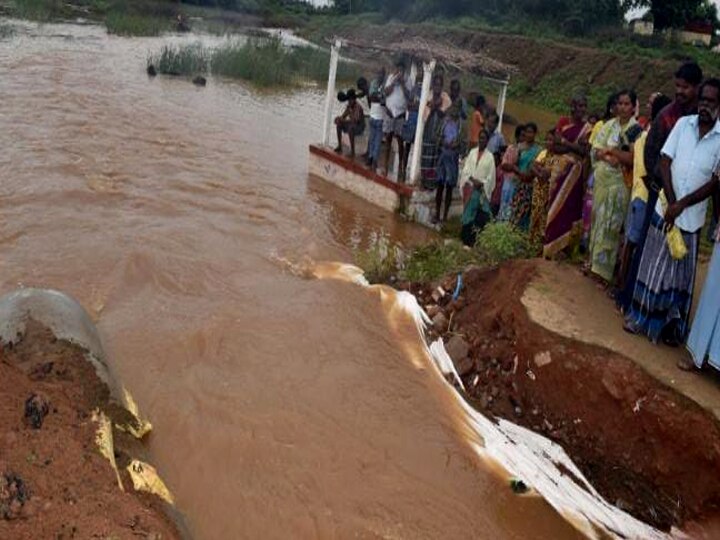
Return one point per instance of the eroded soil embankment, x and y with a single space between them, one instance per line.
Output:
53 481
644 447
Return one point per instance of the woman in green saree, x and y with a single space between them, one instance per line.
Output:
612 152
522 202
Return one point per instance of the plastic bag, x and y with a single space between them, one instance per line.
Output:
676 243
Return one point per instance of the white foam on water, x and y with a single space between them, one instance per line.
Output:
521 453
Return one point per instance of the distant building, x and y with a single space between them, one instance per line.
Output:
697 33
642 27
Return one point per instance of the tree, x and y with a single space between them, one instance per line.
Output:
675 13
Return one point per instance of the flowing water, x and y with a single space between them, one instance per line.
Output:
283 406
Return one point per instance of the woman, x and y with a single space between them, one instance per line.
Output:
509 166
567 182
588 198
541 171
522 201
612 151
477 182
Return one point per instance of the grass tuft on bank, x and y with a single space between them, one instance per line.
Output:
185 60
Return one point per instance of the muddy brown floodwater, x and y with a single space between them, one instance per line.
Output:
282 406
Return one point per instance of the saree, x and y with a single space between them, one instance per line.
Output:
610 202
521 204
565 204
540 194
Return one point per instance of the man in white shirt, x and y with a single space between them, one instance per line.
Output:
397 91
689 161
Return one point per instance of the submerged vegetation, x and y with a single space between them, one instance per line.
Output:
265 62
382 260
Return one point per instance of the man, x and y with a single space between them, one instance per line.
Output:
687 81
663 294
457 99
497 141
352 122
377 119
397 90
448 168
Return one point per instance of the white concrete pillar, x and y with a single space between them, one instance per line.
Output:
330 96
501 106
414 168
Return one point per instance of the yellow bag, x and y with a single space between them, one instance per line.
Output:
676 243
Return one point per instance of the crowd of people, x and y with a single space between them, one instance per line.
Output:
627 191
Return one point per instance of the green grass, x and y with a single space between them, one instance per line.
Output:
130 24
265 62
182 60
40 10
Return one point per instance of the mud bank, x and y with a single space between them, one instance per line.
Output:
54 483
644 447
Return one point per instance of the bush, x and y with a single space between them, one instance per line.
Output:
499 242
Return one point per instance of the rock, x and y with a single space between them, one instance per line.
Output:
432 310
199 81
543 359
440 322
438 294
151 71
457 348
464 366
37 408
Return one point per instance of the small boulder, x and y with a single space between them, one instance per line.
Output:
464 366
151 71
37 408
199 81
440 322
457 348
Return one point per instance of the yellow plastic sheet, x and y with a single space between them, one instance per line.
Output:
145 478
104 441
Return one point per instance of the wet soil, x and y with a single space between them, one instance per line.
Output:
53 481
643 446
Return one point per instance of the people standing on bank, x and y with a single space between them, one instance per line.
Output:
690 157
377 119
477 182
687 81
613 157
352 122
451 137
397 88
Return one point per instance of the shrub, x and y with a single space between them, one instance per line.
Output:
438 259
499 242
